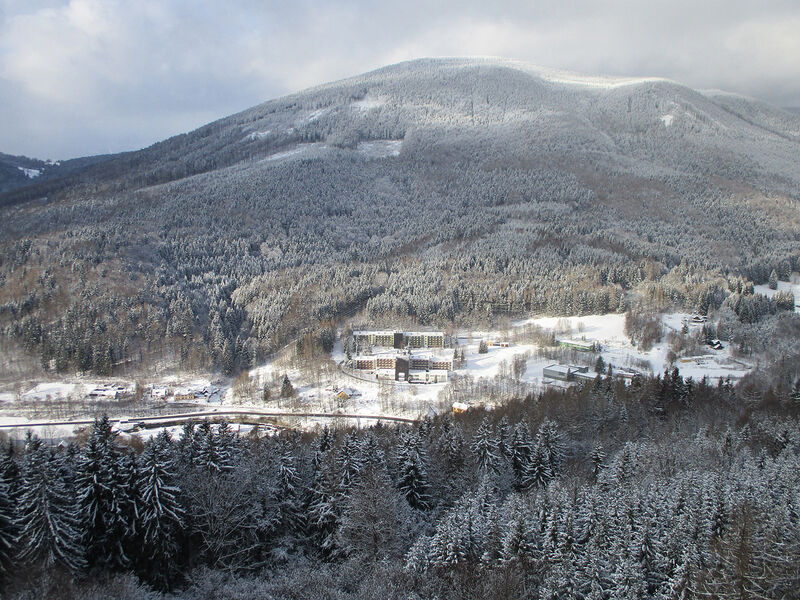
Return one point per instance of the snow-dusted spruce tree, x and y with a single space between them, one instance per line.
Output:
48 513
520 448
101 500
468 533
291 495
504 436
9 497
538 470
187 446
8 527
349 463
597 457
216 449
484 448
412 477
9 469
553 439
324 508
160 515
130 504
287 389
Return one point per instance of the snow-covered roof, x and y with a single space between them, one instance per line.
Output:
373 332
585 375
581 343
559 368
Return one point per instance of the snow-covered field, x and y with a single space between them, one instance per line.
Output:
296 151
783 286
365 397
30 173
617 350
368 102
380 148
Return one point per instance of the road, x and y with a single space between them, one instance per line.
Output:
214 413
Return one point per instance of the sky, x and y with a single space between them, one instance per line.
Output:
82 77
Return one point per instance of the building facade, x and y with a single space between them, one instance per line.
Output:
399 339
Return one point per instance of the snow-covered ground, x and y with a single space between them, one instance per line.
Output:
617 350
257 135
321 386
380 148
783 286
53 391
313 394
296 151
368 102
30 173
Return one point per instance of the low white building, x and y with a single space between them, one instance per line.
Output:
563 372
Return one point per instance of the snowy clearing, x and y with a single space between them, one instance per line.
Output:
294 152
380 148
316 115
257 135
368 102
51 391
30 173
783 286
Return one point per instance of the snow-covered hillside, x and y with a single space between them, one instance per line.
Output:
426 190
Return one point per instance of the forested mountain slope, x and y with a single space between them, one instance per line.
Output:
22 172
434 190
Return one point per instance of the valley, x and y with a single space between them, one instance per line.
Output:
452 328
512 366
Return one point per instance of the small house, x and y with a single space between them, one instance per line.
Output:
184 395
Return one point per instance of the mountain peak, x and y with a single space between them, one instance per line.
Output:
544 73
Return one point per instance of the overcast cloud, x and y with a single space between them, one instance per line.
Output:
84 77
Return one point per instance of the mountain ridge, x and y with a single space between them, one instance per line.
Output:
556 80
422 191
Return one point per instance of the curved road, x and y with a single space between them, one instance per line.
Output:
215 413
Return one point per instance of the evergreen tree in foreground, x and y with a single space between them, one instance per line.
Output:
413 478
485 448
48 514
8 527
101 500
161 516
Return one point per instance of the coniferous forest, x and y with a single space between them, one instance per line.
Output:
667 488
455 193
437 192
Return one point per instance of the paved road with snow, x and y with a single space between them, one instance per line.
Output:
215 413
